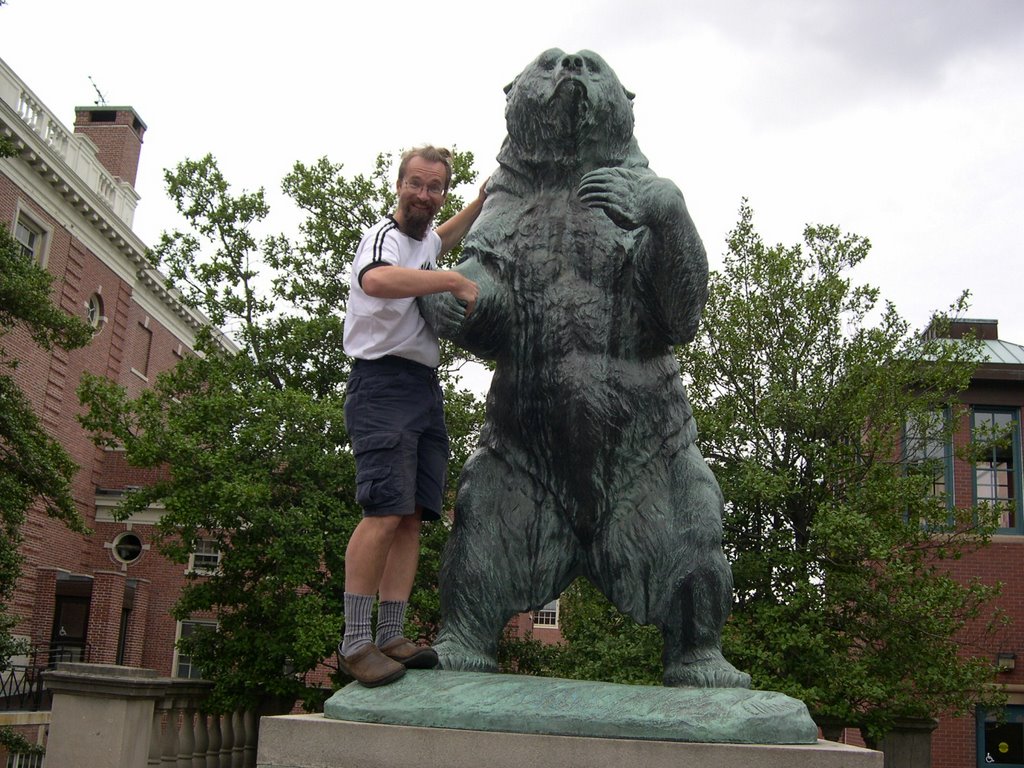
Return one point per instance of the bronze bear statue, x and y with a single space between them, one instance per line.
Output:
590 271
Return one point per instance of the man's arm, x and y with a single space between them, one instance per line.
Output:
453 230
390 282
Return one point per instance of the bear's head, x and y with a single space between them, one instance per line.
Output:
567 114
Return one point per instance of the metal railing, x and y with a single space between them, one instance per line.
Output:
21 684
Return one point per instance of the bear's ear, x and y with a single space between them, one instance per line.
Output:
511 85
629 94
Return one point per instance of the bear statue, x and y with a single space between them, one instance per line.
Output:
590 271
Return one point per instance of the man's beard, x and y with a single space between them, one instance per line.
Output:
416 221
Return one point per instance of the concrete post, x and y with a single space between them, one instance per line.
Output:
102 715
909 743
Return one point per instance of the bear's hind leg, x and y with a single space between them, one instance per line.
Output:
701 586
693 651
508 552
688 577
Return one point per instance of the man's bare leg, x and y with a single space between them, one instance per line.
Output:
395 588
381 557
400 569
367 553
365 559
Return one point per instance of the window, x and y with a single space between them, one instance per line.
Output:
996 432
126 620
94 311
183 666
927 451
1001 743
546 616
141 349
128 548
32 237
205 557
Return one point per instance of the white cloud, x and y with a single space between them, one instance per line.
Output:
899 121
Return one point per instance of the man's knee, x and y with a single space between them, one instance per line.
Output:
378 526
410 524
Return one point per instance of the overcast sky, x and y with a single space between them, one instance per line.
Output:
900 120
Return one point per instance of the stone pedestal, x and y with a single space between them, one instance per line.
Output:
101 716
481 701
473 719
313 741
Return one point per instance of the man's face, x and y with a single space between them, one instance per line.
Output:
420 195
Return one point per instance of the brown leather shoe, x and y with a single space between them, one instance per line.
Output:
371 667
408 653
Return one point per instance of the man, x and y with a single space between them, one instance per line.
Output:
394 411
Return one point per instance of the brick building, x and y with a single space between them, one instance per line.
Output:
68 198
994 400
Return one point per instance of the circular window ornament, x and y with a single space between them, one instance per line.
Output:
127 548
94 311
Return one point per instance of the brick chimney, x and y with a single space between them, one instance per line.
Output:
117 133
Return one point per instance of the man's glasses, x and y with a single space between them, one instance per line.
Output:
416 186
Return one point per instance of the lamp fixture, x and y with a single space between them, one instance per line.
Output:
1005 661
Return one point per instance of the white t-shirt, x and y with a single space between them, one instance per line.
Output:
377 327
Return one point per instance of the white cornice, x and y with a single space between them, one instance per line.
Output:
107 504
41 169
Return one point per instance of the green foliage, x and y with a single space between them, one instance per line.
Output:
25 303
251 447
599 643
34 468
528 656
603 644
802 384
15 744
262 470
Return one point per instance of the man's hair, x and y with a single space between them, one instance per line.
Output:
431 154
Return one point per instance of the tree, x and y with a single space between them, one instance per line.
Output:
34 468
253 443
603 644
803 385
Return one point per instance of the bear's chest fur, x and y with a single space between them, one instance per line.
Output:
569 272
580 366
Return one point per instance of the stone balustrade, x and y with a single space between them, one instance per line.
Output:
108 716
76 151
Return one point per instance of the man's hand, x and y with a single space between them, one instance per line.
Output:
466 291
453 230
